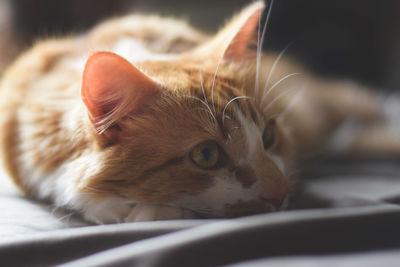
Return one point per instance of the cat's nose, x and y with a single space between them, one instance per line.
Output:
277 199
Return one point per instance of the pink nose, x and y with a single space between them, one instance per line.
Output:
277 197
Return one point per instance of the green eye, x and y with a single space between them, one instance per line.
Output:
206 155
268 137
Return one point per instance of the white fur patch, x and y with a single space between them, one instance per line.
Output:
252 134
64 186
107 210
226 190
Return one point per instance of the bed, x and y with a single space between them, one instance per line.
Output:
346 213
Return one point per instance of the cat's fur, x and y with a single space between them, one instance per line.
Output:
112 137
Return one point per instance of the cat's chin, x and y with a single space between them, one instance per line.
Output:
148 212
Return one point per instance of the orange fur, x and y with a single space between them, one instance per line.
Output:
48 130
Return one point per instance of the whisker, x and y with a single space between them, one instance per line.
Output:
92 189
257 59
276 84
277 98
292 102
203 109
202 86
275 64
204 103
259 46
204 94
214 78
228 117
227 104
66 218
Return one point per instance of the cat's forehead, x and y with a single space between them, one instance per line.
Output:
189 70
219 92
227 106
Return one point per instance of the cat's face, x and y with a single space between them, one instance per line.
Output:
190 136
238 154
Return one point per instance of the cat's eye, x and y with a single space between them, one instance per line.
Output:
268 137
206 155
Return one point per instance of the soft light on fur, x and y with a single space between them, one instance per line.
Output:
105 123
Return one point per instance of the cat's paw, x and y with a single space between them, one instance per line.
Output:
148 212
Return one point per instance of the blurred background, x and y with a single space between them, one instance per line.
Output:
356 39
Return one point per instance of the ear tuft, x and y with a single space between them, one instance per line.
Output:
233 41
113 88
244 31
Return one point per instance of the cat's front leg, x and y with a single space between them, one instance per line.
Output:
148 212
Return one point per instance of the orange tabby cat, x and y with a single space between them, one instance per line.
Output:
146 118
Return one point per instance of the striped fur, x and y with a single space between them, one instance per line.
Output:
138 167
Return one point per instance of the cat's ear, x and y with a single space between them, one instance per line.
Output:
113 88
234 40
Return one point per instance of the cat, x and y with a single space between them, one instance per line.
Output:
146 118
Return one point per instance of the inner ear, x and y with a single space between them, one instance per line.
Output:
113 88
244 31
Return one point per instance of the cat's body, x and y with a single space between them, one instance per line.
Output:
187 129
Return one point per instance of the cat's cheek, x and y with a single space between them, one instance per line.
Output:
148 212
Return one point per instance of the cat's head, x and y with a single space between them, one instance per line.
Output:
191 131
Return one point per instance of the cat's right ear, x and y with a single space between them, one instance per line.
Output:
113 88
234 40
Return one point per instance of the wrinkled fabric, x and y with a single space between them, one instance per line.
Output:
347 214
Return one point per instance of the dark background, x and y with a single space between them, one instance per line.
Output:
357 39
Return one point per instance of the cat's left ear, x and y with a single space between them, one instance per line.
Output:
113 88
239 34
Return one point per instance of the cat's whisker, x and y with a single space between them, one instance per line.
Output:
228 117
230 130
214 78
54 210
205 110
229 138
204 93
259 46
64 218
292 102
288 90
92 189
227 104
202 86
276 84
278 58
204 103
256 90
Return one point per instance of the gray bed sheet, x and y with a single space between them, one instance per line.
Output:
347 214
